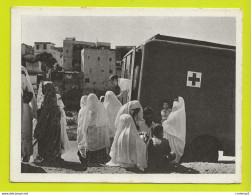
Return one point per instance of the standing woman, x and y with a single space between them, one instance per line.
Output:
29 112
128 150
175 128
112 106
81 146
95 139
48 129
64 137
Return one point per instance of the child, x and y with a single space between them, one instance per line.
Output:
159 151
166 111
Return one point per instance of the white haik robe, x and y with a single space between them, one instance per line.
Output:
93 131
128 150
112 106
63 136
83 103
175 128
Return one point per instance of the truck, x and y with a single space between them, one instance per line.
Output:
204 74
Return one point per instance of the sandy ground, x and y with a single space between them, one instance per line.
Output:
72 164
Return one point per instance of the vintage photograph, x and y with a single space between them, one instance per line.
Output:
126 95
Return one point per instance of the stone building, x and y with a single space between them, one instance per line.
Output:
26 49
97 65
41 47
72 53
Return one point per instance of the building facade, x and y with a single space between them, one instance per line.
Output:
97 65
72 53
26 49
48 47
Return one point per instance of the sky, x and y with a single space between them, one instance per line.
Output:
126 30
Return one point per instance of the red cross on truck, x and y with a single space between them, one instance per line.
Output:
203 73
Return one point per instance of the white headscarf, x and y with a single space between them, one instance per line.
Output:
94 114
127 108
127 148
175 128
112 106
26 84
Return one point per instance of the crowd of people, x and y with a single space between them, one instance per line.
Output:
108 132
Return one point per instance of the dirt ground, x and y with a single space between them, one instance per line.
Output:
75 167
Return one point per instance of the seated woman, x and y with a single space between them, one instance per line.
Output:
94 138
48 129
175 128
128 150
134 109
112 106
159 151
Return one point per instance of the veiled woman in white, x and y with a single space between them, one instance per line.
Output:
29 112
94 139
175 128
81 147
112 106
128 150
63 136
132 108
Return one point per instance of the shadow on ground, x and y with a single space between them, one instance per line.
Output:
171 168
63 164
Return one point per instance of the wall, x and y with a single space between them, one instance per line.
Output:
72 53
49 49
26 49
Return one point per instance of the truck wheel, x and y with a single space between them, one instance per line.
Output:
205 149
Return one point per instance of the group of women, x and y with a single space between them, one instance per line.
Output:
108 132
111 133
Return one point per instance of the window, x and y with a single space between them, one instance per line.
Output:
87 80
44 46
110 59
88 57
110 71
67 51
102 71
94 83
37 46
98 58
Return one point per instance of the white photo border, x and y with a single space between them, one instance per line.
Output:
15 138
